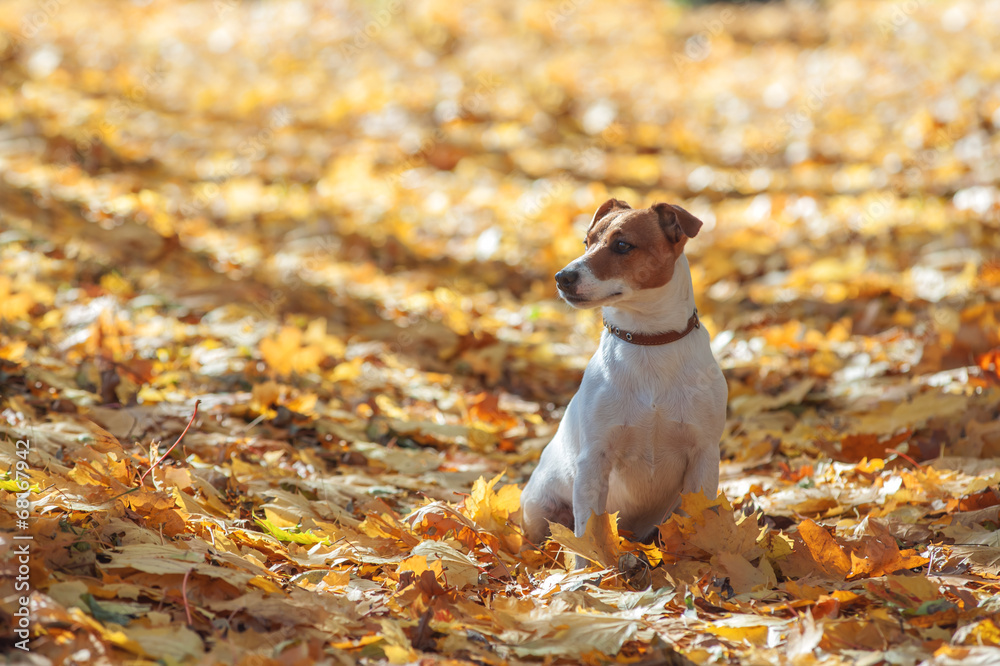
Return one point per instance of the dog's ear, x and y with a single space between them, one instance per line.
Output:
607 207
676 222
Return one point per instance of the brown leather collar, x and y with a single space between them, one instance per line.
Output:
654 338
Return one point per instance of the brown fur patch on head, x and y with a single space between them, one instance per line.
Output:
605 208
652 252
677 223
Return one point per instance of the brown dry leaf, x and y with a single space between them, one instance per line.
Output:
744 576
176 643
984 561
723 532
566 633
458 570
158 511
857 634
599 543
858 447
166 560
264 395
911 413
104 441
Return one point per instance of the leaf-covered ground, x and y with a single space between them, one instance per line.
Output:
335 226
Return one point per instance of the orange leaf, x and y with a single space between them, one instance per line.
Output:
794 476
879 555
485 409
990 363
824 549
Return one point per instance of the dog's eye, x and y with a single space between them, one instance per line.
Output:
621 247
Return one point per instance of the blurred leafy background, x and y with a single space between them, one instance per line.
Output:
340 221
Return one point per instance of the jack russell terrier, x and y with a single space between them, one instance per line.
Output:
646 423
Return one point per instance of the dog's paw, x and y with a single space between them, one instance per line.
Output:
635 570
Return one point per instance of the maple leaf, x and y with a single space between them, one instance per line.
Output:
492 509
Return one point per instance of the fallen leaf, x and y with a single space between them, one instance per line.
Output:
599 543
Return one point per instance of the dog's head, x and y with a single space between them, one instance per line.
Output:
627 251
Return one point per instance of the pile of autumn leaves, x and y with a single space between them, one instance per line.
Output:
737 545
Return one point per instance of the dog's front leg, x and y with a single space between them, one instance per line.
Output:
590 492
702 473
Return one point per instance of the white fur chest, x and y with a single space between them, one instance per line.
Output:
641 387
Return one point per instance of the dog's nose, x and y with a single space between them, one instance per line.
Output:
567 278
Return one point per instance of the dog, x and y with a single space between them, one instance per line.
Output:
646 424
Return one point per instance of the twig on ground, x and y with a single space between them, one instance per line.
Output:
174 445
153 466
906 458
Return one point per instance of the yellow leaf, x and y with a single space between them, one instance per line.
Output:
398 649
266 584
357 642
983 633
775 544
316 335
754 635
489 508
695 504
347 371
286 354
418 564
12 306
278 520
304 403
13 351
15 486
337 578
